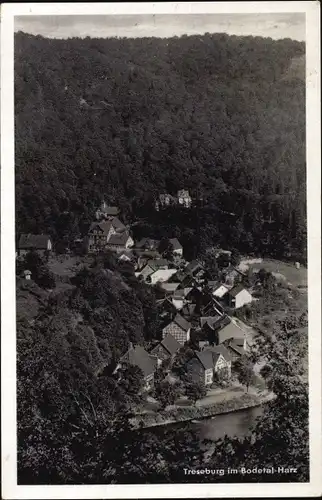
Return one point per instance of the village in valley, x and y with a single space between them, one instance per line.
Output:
203 352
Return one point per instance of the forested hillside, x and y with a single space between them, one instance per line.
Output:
125 119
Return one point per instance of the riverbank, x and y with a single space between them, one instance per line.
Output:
186 414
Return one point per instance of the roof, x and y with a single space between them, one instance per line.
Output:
157 263
117 224
218 350
104 226
230 331
37 241
210 320
138 356
118 238
169 287
175 244
236 290
183 323
235 345
192 266
205 358
171 344
148 243
188 310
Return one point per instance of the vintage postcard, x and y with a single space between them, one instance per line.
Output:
160 244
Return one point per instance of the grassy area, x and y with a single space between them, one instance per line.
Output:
282 270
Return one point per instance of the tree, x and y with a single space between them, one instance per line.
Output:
244 369
166 249
165 393
195 391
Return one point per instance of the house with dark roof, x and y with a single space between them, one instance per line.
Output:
120 241
148 244
222 359
208 364
231 331
188 311
236 348
166 349
108 233
238 296
179 328
200 367
106 211
194 268
177 247
41 243
138 356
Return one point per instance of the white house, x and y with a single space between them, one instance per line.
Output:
161 276
238 296
219 290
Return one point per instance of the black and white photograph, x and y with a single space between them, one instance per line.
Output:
160 250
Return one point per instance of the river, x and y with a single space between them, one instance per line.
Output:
234 424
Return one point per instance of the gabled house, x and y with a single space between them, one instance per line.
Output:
160 276
166 310
41 243
148 244
169 288
166 349
194 268
120 241
165 200
200 367
231 332
218 289
139 357
99 233
105 211
236 348
177 247
206 364
238 296
221 358
188 311
179 328
184 198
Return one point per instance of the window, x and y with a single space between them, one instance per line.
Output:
208 377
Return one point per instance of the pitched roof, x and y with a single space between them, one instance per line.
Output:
175 244
205 358
236 290
118 238
218 350
138 356
192 266
210 320
230 331
157 263
188 310
37 241
148 243
171 344
169 287
183 323
117 224
235 346
104 226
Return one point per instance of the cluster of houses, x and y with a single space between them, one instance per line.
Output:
193 309
182 198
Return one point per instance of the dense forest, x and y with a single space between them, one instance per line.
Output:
126 119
